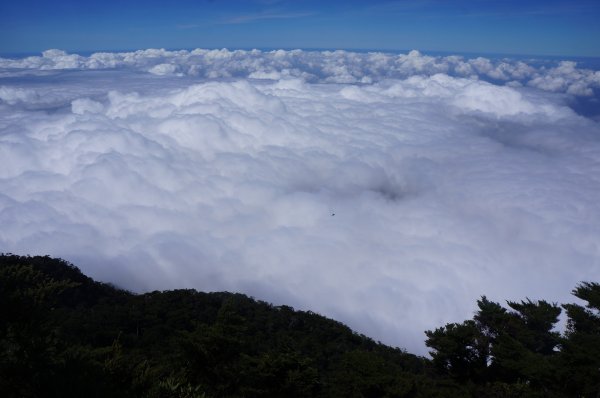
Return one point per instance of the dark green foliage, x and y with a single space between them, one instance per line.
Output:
580 359
460 350
516 352
64 335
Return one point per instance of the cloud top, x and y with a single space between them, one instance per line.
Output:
322 66
390 205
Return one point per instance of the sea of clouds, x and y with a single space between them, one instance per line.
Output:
388 191
320 66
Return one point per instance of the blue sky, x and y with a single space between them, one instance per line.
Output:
551 27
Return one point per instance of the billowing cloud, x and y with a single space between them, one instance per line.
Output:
391 203
321 66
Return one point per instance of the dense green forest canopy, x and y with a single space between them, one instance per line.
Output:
63 334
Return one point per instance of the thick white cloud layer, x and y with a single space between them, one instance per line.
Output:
320 66
391 206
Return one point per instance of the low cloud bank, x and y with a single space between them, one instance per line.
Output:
323 66
391 206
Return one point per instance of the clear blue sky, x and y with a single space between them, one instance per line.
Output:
550 27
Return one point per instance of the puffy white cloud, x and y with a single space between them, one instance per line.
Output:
163 69
319 66
12 95
443 188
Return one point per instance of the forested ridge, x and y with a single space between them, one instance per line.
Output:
63 334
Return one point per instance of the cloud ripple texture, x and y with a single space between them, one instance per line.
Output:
386 191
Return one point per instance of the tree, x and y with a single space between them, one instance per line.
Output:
580 356
460 350
500 346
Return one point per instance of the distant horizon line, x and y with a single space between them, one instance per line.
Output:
316 49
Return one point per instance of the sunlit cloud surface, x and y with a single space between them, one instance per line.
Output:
386 191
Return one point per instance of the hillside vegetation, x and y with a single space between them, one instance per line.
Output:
63 334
